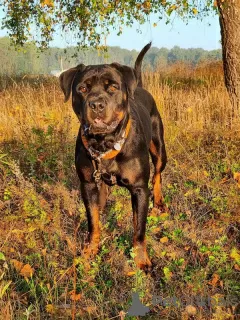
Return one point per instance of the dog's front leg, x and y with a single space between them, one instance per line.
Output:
91 199
140 201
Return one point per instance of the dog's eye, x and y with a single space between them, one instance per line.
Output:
82 89
113 87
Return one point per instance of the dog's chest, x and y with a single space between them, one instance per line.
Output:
110 166
120 172
108 171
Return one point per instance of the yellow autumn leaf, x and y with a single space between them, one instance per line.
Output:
235 255
27 271
75 296
194 11
164 240
237 267
17 264
156 230
50 308
172 255
24 270
164 216
215 278
147 4
205 173
90 309
131 273
236 177
168 274
173 7
48 3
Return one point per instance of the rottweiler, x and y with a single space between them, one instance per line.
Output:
120 126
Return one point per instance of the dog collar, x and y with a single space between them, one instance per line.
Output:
95 154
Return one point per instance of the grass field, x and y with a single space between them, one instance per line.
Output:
195 247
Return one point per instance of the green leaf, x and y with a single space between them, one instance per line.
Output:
4 289
2 256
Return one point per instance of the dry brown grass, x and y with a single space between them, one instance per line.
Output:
195 248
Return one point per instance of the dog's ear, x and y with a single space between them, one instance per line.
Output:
129 77
66 80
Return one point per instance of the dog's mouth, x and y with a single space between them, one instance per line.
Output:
99 126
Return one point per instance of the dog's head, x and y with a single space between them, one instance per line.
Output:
100 94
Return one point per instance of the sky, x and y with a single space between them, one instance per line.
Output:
196 34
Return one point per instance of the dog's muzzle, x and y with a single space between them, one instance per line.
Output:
100 126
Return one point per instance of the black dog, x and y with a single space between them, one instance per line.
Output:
120 125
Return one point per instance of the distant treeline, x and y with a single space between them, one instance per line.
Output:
31 60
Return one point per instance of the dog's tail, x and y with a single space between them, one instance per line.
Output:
138 63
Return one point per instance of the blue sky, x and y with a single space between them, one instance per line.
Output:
204 34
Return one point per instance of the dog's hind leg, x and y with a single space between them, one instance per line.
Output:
159 159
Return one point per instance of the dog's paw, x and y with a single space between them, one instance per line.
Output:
141 258
90 250
157 210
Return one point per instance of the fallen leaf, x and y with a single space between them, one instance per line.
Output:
131 273
164 240
17 264
2 256
156 230
164 216
50 308
75 296
236 176
90 309
215 279
235 255
27 271
191 310
205 173
24 270
168 274
237 267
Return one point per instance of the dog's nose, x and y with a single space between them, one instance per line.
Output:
97 106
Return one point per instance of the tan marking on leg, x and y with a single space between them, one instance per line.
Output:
154 151
91 249
134 227
103 196
157 191
141 258
157 187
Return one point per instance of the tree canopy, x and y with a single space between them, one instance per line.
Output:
90 21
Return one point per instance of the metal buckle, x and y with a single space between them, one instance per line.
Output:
97 175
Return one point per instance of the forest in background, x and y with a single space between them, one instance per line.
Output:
29 60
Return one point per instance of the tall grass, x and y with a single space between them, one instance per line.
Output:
192 98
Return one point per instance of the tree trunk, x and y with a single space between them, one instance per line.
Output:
230 31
